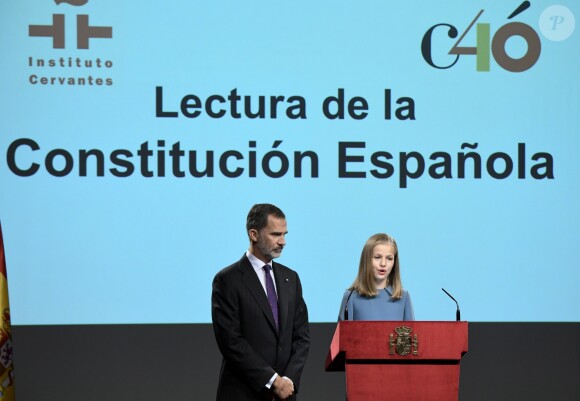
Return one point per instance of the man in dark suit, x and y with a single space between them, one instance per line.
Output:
260 320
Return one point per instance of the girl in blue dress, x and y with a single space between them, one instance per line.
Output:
377 292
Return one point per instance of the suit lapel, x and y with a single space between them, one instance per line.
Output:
252 283
282 282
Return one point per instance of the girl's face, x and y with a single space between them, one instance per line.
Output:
383 262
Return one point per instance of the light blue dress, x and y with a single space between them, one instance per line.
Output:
379 307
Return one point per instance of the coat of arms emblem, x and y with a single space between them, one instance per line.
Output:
404 343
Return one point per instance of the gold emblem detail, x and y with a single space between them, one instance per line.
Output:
403 344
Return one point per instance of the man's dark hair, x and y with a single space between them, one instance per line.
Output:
258 216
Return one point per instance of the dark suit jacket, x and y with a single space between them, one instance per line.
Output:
245 332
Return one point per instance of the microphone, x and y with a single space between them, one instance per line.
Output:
346 305
458 313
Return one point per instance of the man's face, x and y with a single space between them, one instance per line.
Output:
267 243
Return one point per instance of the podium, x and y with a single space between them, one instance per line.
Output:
402 361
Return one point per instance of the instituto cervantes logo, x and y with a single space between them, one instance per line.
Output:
556 23
68 68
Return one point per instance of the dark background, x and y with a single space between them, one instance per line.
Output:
505 361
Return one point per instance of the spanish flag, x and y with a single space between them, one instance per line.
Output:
6 371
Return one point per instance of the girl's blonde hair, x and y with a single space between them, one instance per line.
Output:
364 283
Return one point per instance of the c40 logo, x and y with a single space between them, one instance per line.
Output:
556 23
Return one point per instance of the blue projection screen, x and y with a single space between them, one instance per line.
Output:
135 136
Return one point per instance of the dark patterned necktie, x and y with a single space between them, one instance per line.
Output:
271 291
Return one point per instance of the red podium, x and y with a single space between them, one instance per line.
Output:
402 361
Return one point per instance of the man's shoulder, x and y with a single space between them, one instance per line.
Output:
284 269
233 268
